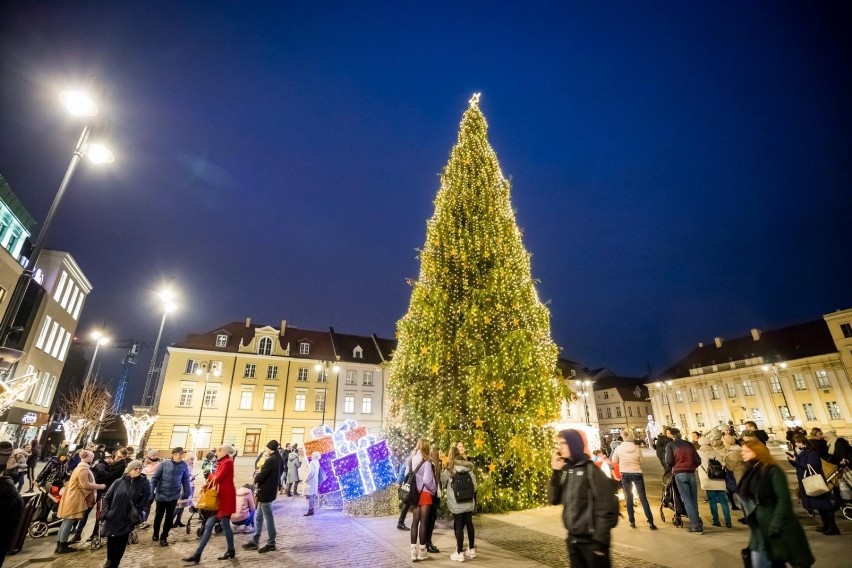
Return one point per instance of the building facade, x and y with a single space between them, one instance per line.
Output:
245 384
621 403
793 375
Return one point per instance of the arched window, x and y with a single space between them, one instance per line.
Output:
265 346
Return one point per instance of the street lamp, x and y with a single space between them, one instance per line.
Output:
662 386
167 297
100 339
774 368
217 371
319 367
583 385
77 103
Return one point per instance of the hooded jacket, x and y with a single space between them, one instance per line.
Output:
454 506
629 457
587 496
706 453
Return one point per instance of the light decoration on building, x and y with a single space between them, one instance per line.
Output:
137 426
593 435
352 462
14 389
73 427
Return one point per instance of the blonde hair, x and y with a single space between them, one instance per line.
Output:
627 435
425 448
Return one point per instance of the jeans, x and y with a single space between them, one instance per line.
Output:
759 559
719 497
460 522
687 486
264 513
116 546
65 530
208 531
583 552
629 481
312 500
167 509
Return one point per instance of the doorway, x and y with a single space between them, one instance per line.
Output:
252 442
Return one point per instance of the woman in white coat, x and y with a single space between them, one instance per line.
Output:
293 465
312 482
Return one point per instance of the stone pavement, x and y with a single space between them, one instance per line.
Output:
524 539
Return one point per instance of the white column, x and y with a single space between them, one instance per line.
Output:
839 393
816 401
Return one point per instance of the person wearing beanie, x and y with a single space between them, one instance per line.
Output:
629 458
80 495
6 450
588 499
169 482
223 479
267 482
121 510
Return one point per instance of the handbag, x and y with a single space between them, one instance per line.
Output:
814 483
208 499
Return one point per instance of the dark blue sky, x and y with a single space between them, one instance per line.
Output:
680 172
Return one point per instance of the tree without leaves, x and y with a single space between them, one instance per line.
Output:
88 401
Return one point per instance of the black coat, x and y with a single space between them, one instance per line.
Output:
12 506
117 510
116 470
268 478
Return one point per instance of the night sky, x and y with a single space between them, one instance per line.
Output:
680 171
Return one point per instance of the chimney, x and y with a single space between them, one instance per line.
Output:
248 322
700 344
718 341
755 334
283 327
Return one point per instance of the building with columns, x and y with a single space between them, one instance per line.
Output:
793 375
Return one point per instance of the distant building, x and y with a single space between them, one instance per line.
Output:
245 384
792 375
581 409
622 403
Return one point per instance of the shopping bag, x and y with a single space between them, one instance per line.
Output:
208 499
814 483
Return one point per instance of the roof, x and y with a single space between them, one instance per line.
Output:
785 344
14 204
626 386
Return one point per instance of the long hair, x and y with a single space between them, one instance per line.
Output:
425 448
455 456
761 451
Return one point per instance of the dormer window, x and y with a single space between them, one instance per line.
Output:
304 348
357 353
221 340
264 347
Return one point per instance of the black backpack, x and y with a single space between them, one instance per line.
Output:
714 469
462 484
408 488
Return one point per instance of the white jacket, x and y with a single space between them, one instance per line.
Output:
707 484
629 457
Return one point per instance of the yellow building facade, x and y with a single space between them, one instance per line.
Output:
245 384
794 375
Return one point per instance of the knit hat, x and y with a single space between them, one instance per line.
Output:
132 465
153 455
576 445
273 445
5 453
729 440
703 441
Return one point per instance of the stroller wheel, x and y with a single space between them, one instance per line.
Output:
37 529
133 538
96 542
847 511
677 522
199 531
217 529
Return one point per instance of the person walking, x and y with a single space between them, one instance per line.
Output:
426 486
775 535
121 510
169 482
405 506
185 500
79 496
807 456
293 465
628 456
683 460
223 479
589 503
459 468
267 481
312 482
715 488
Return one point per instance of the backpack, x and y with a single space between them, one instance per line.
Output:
408 489
714 469
462 484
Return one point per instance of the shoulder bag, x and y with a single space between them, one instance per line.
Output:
814 483
208 499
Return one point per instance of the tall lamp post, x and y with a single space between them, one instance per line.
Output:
100 339
583 385
206 370
167 297
78 103
662 386
319 367
774 368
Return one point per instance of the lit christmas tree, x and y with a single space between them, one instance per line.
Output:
475 362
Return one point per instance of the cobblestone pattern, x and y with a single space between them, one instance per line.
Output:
546 549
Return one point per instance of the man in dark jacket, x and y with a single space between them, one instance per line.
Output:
169 482
267 481
683 460
660 444
589 502
13 508
285 457
761 435
119 464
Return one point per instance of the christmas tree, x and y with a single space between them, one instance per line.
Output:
475 361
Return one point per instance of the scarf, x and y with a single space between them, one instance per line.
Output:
747 487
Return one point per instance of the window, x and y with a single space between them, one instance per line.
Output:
774 384
784 412
268 400
600 413
349 404
606 395
357 353
322 375
246 396
693 394
250 370
799 380
351 377
714 392
59 288
272 372
65 344
303 374
73 299
367 405
809 411
191 367
748 388
682 420
185 396
319 401
179 434
221 340
297 435
57 347
49 345
618 412
699 419
264 347
368 378
833 410
203 436
67 295
846 328
301 398
78 306
822 379
608 412
304 348
210 396
42 336
678 396
732 390
630 411
756 414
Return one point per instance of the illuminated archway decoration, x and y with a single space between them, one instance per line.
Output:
14 389
73 428
137 426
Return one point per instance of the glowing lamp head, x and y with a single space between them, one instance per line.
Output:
765 368
78 103
99 154
318 367
336 368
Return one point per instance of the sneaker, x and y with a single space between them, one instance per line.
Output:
402 527
716 524
470 553
267 548
250 545
457 556
632 525
432 549
414 549
696 531
422 553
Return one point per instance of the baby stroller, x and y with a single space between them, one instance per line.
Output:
671 500
98 535
44 513
202 515
841 481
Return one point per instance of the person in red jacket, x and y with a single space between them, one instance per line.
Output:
223 478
